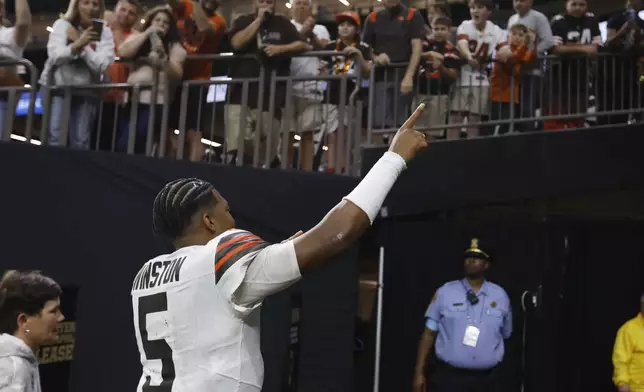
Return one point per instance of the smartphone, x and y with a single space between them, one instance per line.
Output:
97 26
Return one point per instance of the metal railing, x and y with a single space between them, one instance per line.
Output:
563 90
570 89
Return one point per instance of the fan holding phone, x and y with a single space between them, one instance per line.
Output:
158 50
80 49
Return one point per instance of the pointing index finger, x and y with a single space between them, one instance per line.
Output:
414 116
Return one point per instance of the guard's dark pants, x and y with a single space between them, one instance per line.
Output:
447 378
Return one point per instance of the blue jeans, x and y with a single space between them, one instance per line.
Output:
81 119
142 121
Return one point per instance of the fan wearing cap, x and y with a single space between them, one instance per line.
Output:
628 360
349 43
467 322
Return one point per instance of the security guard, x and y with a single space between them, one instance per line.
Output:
468 319
628 354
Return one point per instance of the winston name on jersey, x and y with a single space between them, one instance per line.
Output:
193 332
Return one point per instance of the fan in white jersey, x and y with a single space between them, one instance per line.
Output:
478 40
195 310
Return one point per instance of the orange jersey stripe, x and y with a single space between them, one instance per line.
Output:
236 239
237 250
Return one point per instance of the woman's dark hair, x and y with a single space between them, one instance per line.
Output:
24 292
172 36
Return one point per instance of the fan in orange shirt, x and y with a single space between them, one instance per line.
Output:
506 76
201 29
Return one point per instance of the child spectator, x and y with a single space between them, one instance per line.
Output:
577 39
506 77
478 40
439 70
348 42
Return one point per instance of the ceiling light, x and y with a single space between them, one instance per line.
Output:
288 5
345 2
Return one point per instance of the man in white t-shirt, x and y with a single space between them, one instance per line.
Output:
12 44
196 311
478 40
307 95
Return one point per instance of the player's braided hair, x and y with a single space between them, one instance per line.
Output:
176 204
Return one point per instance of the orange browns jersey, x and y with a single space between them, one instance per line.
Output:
507 76
196 313
198 42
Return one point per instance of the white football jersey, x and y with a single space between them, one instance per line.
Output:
196 313
482 45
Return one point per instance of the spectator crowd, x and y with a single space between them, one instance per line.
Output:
475 77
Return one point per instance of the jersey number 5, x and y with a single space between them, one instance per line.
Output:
156 349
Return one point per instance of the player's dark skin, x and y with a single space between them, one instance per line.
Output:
335 232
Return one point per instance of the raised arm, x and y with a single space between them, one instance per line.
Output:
355 213
23 23
241 36
99 59
131 46
251 269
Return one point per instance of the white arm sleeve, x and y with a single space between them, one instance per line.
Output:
272 270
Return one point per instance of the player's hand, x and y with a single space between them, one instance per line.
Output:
408 141
420 383
624 388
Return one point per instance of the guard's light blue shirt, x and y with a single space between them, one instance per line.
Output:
450 313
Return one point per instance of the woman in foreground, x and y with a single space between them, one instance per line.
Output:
29 317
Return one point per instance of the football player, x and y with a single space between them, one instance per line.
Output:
197 328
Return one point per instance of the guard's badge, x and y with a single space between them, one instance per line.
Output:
493 304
